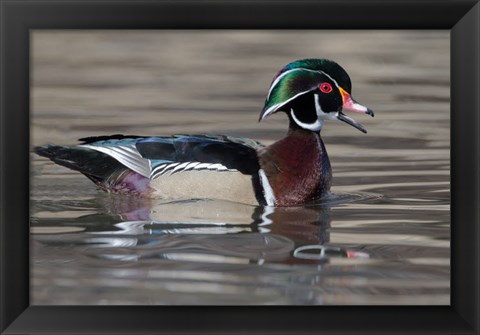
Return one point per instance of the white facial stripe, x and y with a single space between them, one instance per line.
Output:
318 108
316 126
274 107
321 115
334 81
267 189
276 81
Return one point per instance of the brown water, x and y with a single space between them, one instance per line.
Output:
382 237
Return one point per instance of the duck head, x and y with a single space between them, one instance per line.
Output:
311 91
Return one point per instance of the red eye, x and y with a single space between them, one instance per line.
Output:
325 87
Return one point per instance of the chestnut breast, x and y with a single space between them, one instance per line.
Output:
297 168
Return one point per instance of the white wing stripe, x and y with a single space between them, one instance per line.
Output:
131 158
217 167
169 166
202 166
191 165
128 156
181 167
158 168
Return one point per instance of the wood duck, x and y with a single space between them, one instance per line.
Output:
289 172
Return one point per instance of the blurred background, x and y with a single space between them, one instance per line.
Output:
382 238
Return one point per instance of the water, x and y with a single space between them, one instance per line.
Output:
381 237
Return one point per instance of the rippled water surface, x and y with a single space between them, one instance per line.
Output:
381 237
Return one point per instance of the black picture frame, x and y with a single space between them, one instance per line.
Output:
17 18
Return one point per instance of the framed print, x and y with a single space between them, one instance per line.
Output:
177 203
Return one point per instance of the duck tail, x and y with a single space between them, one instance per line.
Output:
95 165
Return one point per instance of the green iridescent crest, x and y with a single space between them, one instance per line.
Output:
300 77
324 65
290 85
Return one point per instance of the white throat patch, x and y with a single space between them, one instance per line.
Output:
320 113
316 126
321 116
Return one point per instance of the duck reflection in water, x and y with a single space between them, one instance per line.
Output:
208 231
